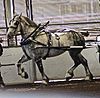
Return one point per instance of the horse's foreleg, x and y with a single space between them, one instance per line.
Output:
89 75
21 71
41 69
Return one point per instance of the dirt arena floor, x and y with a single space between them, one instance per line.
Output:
59 89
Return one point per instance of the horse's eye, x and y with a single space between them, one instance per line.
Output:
16 23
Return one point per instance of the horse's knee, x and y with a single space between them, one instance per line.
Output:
18 65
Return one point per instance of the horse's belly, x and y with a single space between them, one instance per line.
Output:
55 52
42 52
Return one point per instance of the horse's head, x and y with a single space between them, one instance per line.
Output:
20 24
14 26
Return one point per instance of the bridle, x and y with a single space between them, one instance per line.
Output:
16 25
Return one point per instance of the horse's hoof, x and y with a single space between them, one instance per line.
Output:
19 74
89 78
68 76
45 82
26 75
2 85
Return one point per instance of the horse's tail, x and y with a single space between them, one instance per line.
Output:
85 33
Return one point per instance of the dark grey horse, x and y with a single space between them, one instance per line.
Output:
45 45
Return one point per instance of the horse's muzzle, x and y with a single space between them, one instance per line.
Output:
9 36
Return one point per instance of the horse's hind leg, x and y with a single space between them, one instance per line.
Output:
21 71
41 69
78 59
75 57
89 75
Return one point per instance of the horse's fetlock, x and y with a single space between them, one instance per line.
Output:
18 65
71 73
22 70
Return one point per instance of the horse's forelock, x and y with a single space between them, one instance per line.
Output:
28 21
15 16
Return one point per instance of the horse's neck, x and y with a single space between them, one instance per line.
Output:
27 30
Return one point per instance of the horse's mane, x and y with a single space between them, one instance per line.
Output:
28 21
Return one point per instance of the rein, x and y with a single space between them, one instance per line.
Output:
22 42
34 33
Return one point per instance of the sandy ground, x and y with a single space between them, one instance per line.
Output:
59 89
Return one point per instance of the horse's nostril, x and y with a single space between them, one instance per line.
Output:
8 36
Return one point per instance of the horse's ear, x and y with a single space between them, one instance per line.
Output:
14 14
20 15
26 20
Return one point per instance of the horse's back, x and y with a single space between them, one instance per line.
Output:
68 39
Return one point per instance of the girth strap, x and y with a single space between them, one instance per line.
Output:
49 44
29 41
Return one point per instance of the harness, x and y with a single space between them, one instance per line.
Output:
48 44
23 46
75 35
26 40
36 33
